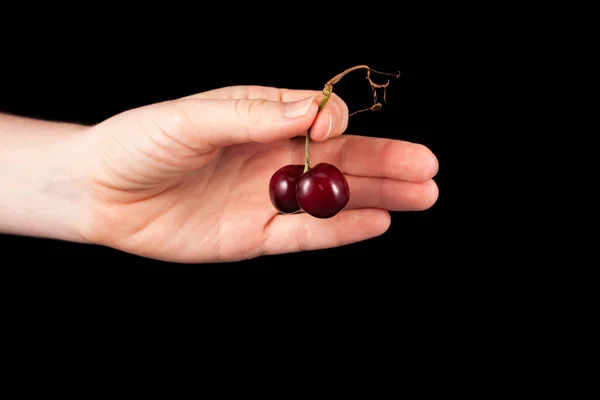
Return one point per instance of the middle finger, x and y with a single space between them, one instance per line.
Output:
373 157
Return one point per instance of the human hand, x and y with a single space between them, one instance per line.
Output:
187 180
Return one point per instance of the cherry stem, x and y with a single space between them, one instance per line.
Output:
328 90
307 145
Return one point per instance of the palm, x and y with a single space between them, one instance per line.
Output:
219 211
226 213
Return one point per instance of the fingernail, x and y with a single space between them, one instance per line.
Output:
297 108
330 126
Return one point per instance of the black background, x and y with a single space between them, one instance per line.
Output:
86 77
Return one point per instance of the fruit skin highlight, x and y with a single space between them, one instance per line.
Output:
282 188
323 191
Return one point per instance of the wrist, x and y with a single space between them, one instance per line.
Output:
40 194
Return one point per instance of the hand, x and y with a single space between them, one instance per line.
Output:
187 180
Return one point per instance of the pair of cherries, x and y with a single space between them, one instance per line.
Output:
322 191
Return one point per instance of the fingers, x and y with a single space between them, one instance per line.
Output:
331 122
391 195
374 157
355 155
203 124
255 92
302 232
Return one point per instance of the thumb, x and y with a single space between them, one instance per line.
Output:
218 123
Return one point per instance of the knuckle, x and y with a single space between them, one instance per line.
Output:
250 114
175 124
180 119
254 109
343 156
238 107
249 110
170 118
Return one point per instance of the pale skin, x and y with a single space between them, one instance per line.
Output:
187 180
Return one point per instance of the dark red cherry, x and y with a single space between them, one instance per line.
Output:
282 188
323 191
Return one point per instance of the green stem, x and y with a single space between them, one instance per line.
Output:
327 94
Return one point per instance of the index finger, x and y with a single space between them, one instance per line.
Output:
331 122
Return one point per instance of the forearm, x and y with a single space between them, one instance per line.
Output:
38 196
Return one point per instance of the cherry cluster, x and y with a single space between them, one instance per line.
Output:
321 191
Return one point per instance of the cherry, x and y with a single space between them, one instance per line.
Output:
282 188
323 191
